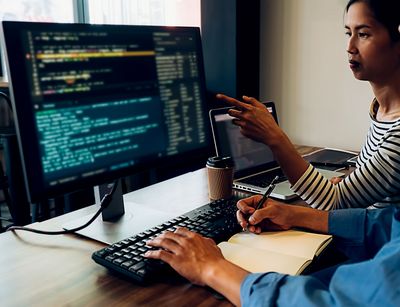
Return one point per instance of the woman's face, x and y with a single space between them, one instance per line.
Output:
372 55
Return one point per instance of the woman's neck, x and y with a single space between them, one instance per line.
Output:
388 97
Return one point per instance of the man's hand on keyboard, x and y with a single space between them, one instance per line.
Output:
200 261
190 254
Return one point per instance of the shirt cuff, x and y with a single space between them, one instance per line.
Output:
347 224
268 283
300 182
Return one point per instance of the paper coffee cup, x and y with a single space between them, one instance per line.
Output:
220 177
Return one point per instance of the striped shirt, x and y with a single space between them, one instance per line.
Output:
374 183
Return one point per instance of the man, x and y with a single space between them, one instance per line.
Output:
369 238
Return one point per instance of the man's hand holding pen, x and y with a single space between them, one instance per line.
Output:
272 216
263 199
275 215
254 213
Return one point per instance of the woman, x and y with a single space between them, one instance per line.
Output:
374 55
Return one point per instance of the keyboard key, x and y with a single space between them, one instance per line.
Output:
127 264
137 266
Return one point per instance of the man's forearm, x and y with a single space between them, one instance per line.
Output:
226 278
312 219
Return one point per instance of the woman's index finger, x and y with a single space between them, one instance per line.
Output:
233 101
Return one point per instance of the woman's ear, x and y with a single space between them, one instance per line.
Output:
398 43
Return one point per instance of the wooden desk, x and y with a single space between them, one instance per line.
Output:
38 270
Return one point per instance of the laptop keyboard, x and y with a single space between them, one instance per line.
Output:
216 220
264 179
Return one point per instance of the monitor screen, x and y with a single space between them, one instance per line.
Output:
97 102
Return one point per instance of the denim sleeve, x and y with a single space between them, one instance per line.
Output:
360 233
274 289
368 283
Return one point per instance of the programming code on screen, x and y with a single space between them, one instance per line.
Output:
106 100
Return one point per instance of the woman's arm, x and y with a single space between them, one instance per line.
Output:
376 179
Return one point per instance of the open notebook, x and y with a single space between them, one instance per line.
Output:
288 252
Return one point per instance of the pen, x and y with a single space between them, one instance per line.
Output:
266 195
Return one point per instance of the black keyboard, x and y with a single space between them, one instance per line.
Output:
216 220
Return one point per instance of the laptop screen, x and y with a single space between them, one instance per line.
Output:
246 153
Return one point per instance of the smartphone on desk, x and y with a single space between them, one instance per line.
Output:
352 161
331 158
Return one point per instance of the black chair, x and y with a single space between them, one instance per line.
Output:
5 128
6 196
11 176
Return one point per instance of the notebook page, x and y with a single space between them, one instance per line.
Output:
291 242
256 260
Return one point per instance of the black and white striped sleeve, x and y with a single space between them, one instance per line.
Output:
375 180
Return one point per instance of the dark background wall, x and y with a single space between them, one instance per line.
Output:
231 43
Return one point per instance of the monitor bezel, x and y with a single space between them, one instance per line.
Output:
24 120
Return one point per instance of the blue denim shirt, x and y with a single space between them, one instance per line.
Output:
371 240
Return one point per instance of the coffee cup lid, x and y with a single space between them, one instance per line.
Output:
220 162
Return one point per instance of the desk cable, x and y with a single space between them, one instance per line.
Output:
106 200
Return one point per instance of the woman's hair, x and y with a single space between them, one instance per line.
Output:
386 12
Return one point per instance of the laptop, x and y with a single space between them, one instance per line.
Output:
255 166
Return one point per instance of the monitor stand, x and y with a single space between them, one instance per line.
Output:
115 209
118 221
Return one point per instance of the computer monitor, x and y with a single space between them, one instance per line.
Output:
94 103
